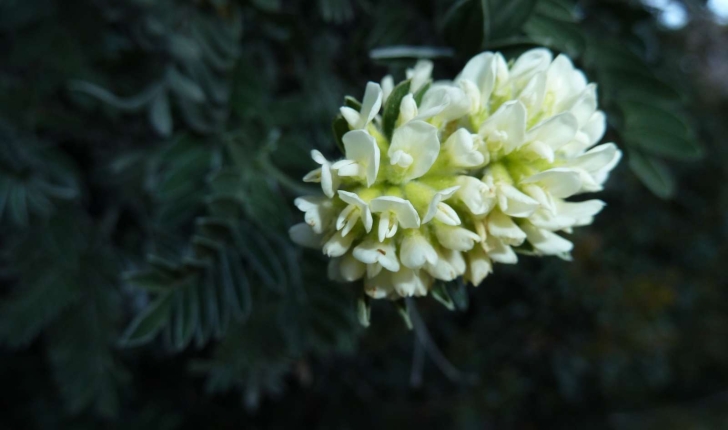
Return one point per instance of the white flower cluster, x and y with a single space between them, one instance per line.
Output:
475 170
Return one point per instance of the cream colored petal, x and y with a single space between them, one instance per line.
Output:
560 182
438 198
546 242
371 104
302 234
555 132
506 126
503 227
499 251
456 238
419 140
406 214
338 244
479 266
361 147
416 251
513 202
350 268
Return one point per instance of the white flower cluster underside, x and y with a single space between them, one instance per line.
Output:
475 170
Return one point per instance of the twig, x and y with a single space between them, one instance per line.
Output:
418 363
447 368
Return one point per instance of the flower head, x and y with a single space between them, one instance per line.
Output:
474 172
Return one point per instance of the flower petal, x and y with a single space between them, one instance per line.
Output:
448 100
503 227
513 202
479 266
439 196
416 251
338 244
419 140
302 234
456 238
407 216
506 127
371 252
555 132
350 268
546 242
361 147
560 182
371 104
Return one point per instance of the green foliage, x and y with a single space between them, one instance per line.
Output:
33 178
149 155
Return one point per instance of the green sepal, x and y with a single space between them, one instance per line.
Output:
340 127
404 313
353 103
421 93
364 310
458 292
440 293
391 108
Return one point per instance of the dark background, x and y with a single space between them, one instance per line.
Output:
149 155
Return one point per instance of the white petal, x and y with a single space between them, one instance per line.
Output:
482 71
596 158
406 214
456 238
560 182
408 283
407 109
595 127
419 140
364 212
350 268
555 132
507 126
446 214
416 251
514 203
361 147
530 63
533 93
448 99
387 86
442 270
602 174
371 252
456 260
499 251
461 149
350 115
420 75
439 197
338 244
585 104
503 227
476 194
318 157
329 180
302 234
546 242
479 266
561 80
380 286
371 104
581 212
319 211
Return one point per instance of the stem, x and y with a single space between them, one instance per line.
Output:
418 363
447 368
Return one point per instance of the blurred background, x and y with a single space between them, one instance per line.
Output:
150 151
